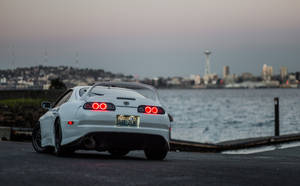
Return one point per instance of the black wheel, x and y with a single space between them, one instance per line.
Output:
37 140
118 153
156 153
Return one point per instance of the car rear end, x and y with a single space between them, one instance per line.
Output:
117 118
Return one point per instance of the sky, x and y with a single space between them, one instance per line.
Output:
150 38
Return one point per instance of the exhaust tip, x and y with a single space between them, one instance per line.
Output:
89 143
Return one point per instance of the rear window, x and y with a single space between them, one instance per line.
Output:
115 91
126 88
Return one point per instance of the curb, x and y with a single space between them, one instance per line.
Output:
178 145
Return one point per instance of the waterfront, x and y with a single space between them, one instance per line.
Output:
215 115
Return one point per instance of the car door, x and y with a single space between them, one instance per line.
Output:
47 121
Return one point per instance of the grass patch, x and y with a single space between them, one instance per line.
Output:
21 102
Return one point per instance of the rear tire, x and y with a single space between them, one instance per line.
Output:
37 140
118 153
156 153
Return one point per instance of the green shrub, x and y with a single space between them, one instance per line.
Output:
20 102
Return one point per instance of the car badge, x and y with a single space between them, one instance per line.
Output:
126 103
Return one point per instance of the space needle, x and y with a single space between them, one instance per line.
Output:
207 67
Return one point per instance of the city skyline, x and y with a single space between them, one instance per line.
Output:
207 65
40 77
278 69
151 38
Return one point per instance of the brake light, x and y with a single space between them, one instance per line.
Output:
147 109
99 106
95 106
103 106
154 110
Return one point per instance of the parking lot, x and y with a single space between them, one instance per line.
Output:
20 165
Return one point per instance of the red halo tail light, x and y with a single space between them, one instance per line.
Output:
154 110
95 106
103 106
147 109
99 106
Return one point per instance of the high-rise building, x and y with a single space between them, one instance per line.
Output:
270 72
226 71
283 73
267 72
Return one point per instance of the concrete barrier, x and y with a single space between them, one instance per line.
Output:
5 133
232 145
21 134
188 146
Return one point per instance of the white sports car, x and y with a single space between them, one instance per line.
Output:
113 117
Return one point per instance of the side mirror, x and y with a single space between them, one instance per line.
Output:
46 105
170 118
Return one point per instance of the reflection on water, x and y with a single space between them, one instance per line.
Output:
214 115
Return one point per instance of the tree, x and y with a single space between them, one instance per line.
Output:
57 84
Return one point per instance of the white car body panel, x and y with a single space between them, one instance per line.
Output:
87 121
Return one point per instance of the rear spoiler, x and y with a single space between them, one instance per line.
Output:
129 85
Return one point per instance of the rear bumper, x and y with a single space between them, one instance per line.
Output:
114 140
87 122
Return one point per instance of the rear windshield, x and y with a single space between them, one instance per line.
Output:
117 92
134 90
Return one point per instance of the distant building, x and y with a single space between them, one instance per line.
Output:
230 79
46 86
226 71
267 72
283 73
247 76
210 79
3 80
292 77
155 81
298 76
197 80
175 81
292 81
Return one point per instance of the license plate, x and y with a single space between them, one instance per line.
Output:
125 120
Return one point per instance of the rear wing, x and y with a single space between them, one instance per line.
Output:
128 85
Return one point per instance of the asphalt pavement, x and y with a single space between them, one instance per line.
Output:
20 165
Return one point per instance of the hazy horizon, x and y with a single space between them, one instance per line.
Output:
152 38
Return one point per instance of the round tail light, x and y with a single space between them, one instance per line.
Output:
103 106
95 106
148 109
154 110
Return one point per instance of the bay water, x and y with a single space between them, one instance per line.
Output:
216 115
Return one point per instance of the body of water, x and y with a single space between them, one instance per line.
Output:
215 115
